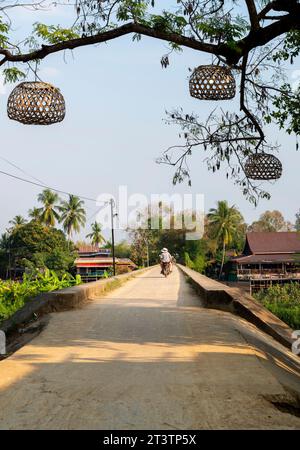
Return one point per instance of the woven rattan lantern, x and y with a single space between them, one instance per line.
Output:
212 83
263 166
36 103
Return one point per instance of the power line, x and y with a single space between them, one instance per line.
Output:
51 188
109 202
97 211
27 173
20 169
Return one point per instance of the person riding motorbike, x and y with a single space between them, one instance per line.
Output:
165 258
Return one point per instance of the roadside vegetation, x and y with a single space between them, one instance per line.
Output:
14 294
44 239
37 253
284 302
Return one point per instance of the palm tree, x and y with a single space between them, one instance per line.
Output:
35 214
17 222
225 221
48 213
72 215
96 234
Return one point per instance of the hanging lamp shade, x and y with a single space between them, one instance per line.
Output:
212 83
36 103
263 166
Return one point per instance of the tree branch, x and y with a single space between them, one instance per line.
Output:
264 35
123 30
252 14
232 54
243 105
278 5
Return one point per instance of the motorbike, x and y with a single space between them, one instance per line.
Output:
166 269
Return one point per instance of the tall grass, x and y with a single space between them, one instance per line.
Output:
284 302
14 294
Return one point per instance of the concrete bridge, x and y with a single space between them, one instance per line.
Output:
149 355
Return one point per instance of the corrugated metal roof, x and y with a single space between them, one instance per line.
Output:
108 260
92 249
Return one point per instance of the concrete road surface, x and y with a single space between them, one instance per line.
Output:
148 356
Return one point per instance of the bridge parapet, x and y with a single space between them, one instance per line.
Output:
217 295
63 300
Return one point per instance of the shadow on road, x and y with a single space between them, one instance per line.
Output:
148 362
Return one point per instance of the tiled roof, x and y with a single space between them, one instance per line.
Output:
267 258
273 242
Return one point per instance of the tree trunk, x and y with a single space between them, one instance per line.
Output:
69 239
223 259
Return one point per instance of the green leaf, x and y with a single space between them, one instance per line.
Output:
286 112
13 74
4 28
54 34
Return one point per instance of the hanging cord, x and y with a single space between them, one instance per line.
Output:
244 108
35 71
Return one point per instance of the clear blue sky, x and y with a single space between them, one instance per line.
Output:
116 96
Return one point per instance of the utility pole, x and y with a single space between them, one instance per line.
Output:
113 234
147 237
147 248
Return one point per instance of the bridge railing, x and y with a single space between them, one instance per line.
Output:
63 300
219 296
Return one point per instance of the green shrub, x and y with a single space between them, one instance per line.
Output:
289 315
283 301
35 245
198 264
187 261
14 294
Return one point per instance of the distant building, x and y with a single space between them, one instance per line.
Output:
93 262
269 256
92 250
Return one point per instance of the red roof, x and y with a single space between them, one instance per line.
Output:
272 242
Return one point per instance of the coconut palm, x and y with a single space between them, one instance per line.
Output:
96 236
34 213
225 221
17 222
48 212
72 215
